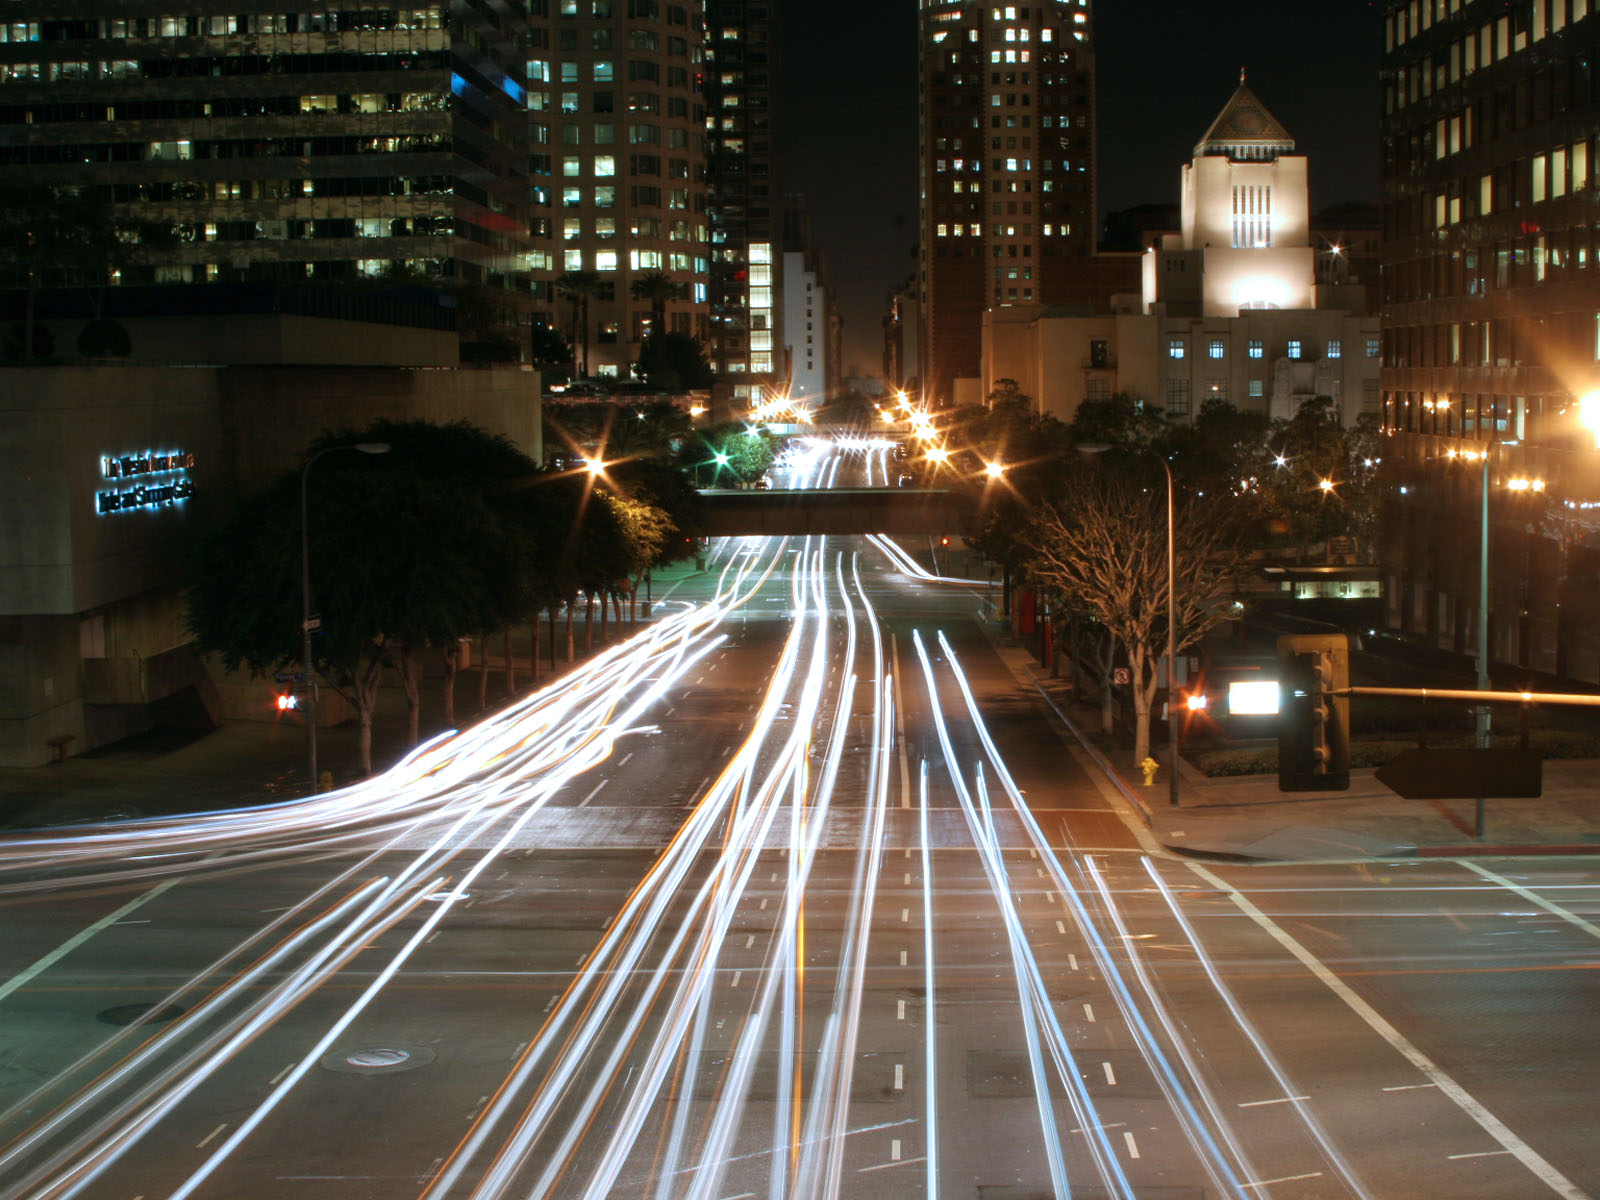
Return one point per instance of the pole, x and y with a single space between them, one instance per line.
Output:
305 628
1483 631
1172 643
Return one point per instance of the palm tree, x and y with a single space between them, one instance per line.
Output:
579 287
658 288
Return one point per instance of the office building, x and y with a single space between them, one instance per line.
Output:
258 145
1007 172
746 213
616 132
1491 326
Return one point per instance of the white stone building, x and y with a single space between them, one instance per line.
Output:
1231 308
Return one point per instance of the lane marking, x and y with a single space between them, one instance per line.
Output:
902 958
584 803
1410 1087
908 879
900 1010
1061 927
1133 1146
905 915
31 972
763 902
894 1149
1479 1154
1278 1100
203 1142
1570 918
1111 1076
904 1162
273 1082
1072 961
899 1077
1088 1012
737 975
1261 1183
1492 1125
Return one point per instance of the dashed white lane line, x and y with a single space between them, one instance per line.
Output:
210 1137
1133 1146
1570 918
38 967
1261 1183
1278 1100
899 1077
1061 927
905 915
902 958
1479 1154
595 791
894 1149
273 1082
899 1010
904 1162
1410 1087
1464 1100
1111 1076
737 975
1072 961
1088 1012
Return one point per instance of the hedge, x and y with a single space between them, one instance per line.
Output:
1264 760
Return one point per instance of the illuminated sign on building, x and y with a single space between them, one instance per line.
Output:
163 479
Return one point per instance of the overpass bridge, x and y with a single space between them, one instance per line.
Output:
802 511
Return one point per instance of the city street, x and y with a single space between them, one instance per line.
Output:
800 892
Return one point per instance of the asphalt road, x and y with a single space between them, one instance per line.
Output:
805 897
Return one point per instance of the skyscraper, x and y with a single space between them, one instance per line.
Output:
1007 171
616 120
746 216
1491 325
263 145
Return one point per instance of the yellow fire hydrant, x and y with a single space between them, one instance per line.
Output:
1149 766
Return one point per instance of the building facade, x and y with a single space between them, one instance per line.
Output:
242 143
746 214
1239 305
1491 325
616 120
1007 176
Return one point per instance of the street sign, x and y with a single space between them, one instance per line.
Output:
312 624
289 677
1121 676
1462 774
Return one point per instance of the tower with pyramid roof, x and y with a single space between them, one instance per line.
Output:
1245 240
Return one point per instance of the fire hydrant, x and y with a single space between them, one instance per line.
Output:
1149 766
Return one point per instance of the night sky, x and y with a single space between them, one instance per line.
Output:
847 116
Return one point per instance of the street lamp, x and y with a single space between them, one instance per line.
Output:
1172 624
305 601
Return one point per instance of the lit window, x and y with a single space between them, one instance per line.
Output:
605 260
1217 348
1257 389
1255 349
605 165
572 260
1294 348
1373 347
1175 347
1335 348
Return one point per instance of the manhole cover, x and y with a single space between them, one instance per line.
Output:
377 1060
150 1014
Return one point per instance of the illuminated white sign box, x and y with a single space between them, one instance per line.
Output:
1253 698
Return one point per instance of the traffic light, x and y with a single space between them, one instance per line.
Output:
1313 718
288 701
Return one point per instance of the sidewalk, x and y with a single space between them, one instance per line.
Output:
1246 817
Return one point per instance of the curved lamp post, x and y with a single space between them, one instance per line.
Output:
305 601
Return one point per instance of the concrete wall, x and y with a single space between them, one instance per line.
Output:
84 594
273 339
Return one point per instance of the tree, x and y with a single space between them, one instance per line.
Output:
730 453
578 288
548 348
658 289
675 361
56 237
1311 448
1101 547
418 547
101 338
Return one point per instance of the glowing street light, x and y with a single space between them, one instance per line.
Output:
1326 485
594 465
994 470
1589 414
